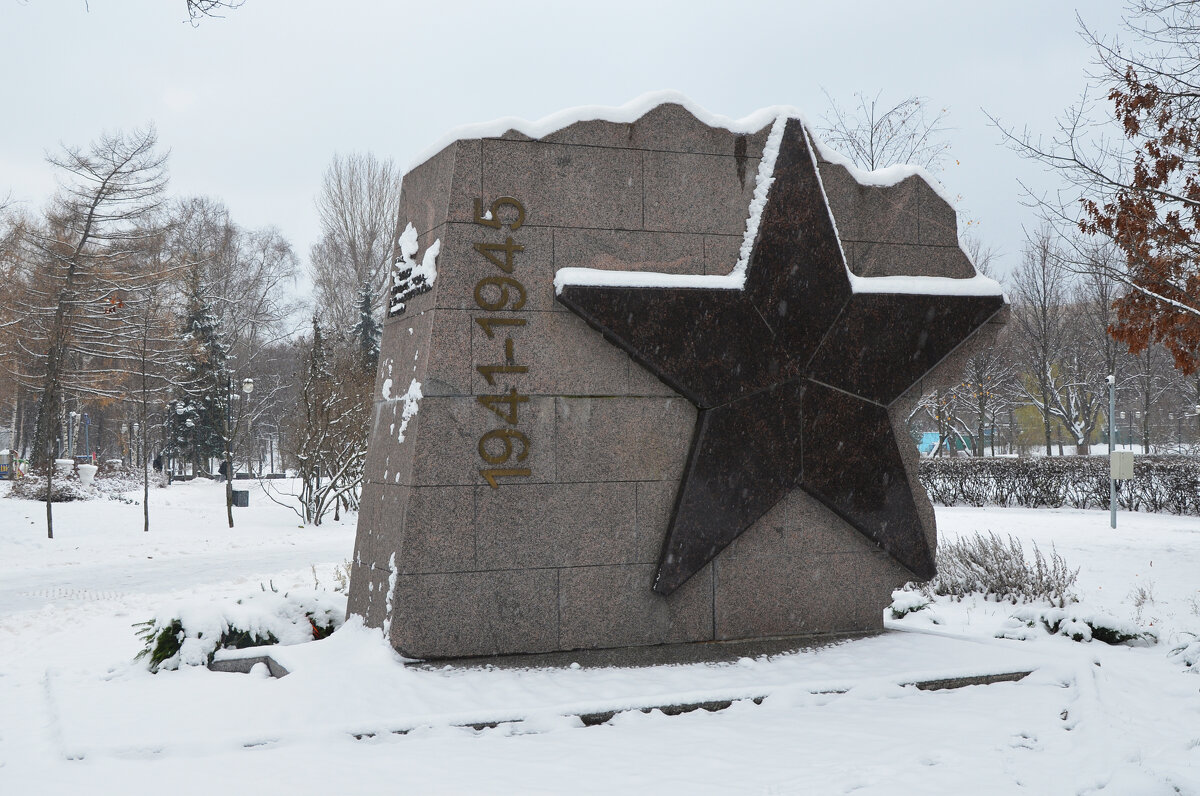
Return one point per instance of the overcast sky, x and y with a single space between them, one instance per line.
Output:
252 106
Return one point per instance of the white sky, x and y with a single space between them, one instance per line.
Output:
253 106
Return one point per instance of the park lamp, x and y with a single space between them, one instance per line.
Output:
247 385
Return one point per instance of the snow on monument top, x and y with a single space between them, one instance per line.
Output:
752 124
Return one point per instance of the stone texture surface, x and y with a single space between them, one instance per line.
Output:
438 533
628 250
632 613
573 186
381 510
721 253
476 613
641 437
826 593
691 193
555 525
562 552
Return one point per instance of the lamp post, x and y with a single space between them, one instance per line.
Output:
228 450
1112 482
87 437
178 407
70 434
137 457
231 396
125 443
248 387
190 424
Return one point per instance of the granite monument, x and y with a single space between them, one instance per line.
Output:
644 381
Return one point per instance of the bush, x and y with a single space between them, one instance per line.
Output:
110 482
113 480
191 634
999 570
1187 653
1078 626
1160 483
65 490
905 602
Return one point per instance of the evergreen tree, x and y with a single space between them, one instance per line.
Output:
367 331
202 387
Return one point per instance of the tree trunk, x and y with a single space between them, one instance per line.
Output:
981 422
228 459
16 429
145 470
1046 423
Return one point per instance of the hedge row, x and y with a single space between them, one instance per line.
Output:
1159 483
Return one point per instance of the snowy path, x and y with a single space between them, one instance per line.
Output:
101 553
27 590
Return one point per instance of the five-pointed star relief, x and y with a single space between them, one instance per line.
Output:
792 376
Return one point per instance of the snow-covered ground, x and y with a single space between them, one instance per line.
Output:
77 715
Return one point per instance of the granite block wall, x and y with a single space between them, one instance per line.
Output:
533 520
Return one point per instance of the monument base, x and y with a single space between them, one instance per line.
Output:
658 655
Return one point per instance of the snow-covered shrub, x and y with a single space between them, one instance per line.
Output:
113 480
65 490
1187 653
1160 483
905 602
1077 625
1000 571
191 633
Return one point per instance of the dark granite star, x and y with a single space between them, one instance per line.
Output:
791 375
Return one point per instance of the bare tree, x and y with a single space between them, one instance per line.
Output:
1132 172
199 9
875 135
359 210
1078 391
327 428
83 251
1039 291
985 391
1152 383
